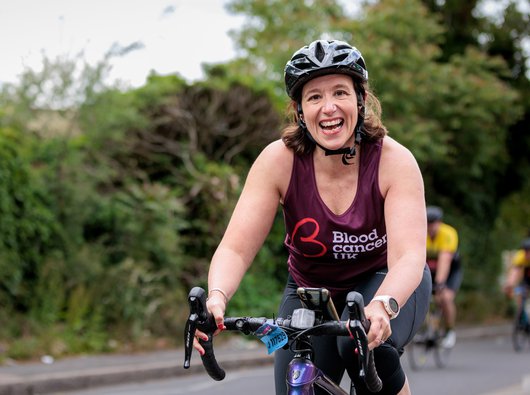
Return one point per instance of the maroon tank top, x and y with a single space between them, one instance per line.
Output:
329 250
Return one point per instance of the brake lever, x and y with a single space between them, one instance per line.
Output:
358 326
198 318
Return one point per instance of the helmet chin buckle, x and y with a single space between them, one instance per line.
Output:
349 156
348 153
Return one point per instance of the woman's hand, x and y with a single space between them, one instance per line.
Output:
216 305
380 329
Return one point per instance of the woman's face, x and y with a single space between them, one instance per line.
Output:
329 105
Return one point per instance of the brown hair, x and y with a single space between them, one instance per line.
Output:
295 138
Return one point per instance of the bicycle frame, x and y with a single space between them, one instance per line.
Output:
303 375
428 339
521 326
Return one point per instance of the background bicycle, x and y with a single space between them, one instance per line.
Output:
427 342
521 325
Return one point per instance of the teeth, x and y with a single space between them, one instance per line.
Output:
328 124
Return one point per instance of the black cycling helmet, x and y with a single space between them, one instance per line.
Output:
319 58
525 244
434 213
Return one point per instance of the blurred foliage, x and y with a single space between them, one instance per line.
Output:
500 209
28 230
113 199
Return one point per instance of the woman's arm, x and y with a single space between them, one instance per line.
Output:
401 184
406 222
249 225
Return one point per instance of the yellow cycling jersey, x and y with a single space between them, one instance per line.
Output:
446 239
521 259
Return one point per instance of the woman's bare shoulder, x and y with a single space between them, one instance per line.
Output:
276 163
396 154
277 155
397 164
277 147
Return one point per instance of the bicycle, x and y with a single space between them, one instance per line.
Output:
428 340
521 327
295 332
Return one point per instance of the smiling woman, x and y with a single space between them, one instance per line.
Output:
354 212
67 27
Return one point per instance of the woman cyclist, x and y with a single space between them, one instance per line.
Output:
354 210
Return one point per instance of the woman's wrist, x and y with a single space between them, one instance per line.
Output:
219 291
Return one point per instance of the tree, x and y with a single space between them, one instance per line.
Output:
500 35
82 251
505 37
461 26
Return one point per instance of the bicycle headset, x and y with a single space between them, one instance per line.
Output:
323 57
434 213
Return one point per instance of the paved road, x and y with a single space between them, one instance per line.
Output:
482 366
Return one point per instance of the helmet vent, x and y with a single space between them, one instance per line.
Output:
340 58
319 52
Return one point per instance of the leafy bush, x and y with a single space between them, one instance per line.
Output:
29 228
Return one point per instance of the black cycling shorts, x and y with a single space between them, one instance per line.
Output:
454 279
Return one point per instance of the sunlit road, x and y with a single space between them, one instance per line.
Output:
477 367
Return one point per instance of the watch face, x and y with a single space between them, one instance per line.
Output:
393 305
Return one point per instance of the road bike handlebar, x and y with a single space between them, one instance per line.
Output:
356 327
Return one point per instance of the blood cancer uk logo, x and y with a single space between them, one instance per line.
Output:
349 246
310 244
307 238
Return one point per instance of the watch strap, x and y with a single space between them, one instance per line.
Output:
386 300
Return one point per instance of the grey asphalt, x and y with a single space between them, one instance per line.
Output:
88 371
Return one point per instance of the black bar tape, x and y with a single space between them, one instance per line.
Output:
372 380
208 360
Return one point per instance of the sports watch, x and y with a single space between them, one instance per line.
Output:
391 305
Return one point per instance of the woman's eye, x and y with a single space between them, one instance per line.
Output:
341 93
313 97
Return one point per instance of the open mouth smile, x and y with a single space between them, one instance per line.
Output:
331 127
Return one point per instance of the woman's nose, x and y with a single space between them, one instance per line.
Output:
329 107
